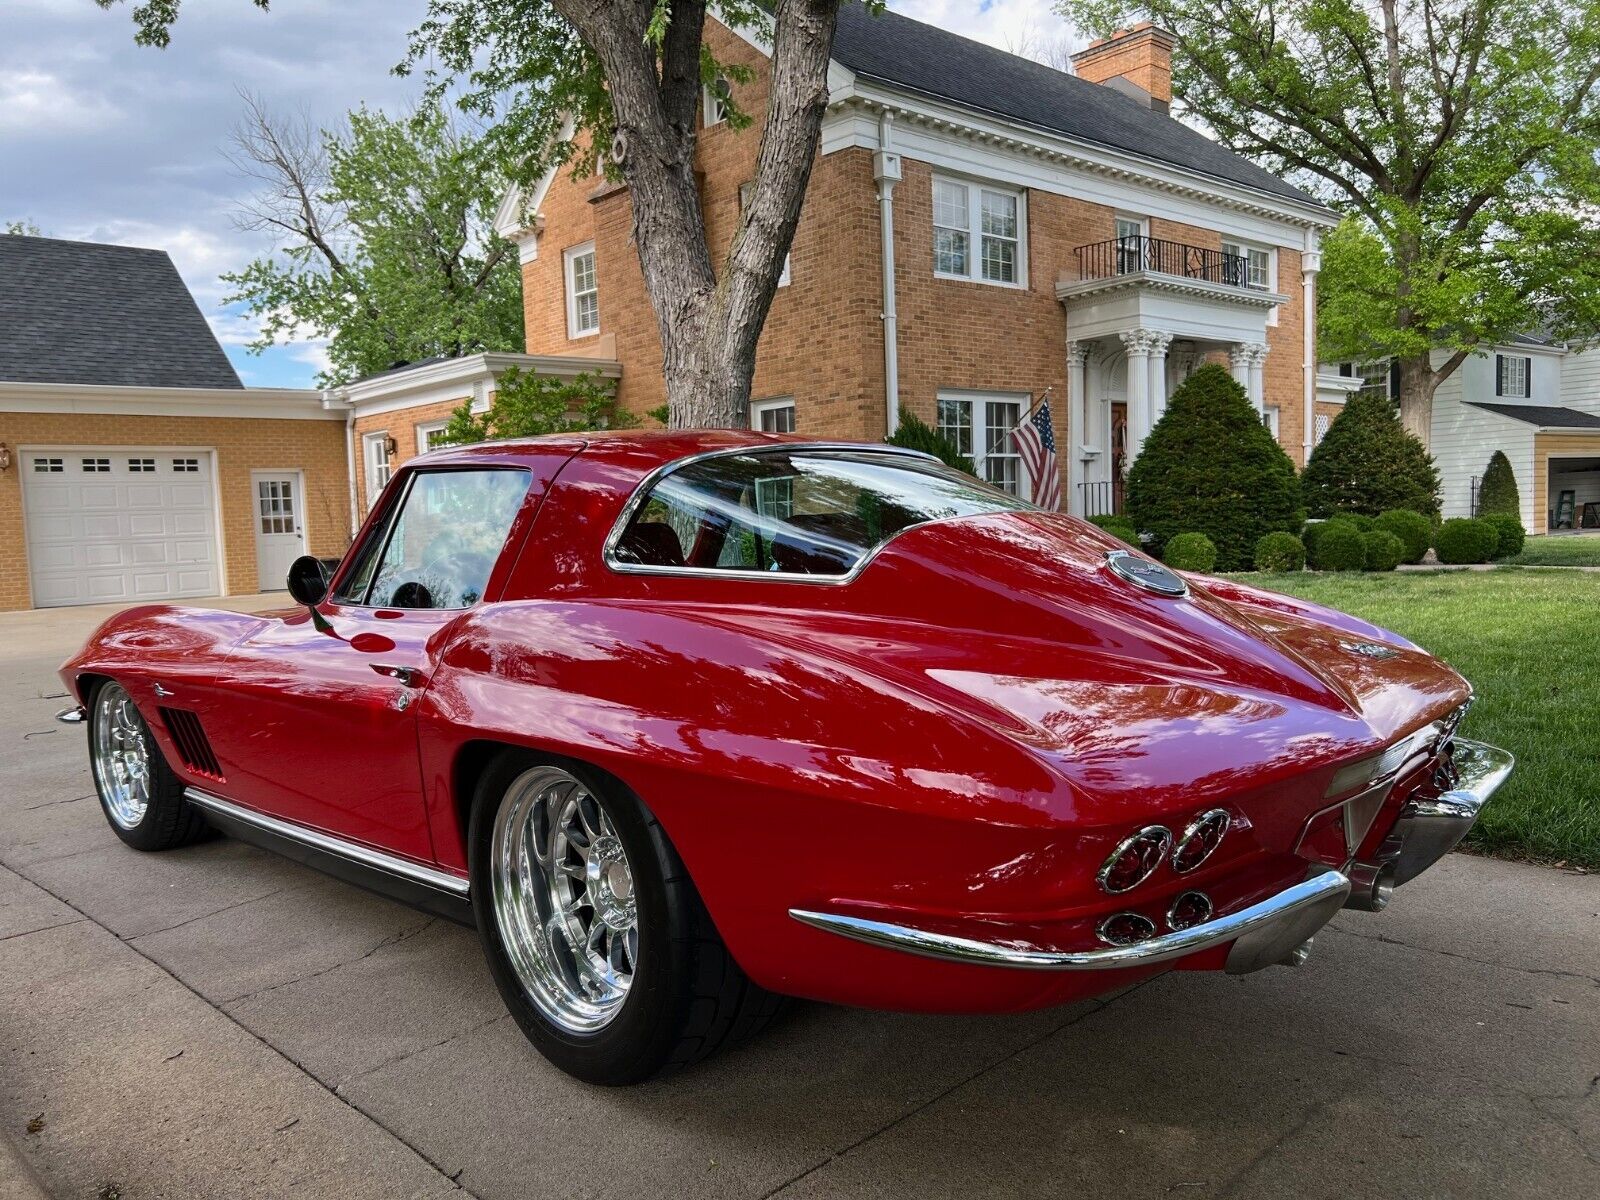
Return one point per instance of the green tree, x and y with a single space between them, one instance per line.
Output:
527 405
1368 463
387 247
23 228
617 87
1210 466
1498 491
1458 135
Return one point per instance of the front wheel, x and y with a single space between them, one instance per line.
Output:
596 938
140 795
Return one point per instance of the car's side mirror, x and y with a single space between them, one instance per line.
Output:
308 581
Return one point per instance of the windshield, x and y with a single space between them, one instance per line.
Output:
803 512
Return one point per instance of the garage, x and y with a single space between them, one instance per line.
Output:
106 524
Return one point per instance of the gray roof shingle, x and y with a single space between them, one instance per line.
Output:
899 51
82 312
1546 416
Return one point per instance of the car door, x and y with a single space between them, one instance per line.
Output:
320 725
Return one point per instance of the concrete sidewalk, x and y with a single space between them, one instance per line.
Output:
218 1022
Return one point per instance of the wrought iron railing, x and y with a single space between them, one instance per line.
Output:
1476 496
1100 499
1127 255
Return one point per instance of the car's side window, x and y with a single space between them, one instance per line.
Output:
439 543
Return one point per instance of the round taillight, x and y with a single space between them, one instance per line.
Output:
1135 859
1200 840
1191 908
1125 928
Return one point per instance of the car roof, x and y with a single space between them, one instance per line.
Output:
641 450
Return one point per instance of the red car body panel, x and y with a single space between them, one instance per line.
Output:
954 740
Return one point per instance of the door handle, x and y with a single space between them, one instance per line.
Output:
409 676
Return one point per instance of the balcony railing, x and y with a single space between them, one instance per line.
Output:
1128 255
1101 499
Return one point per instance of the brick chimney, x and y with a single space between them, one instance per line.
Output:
1137 62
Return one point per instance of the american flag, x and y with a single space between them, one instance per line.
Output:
1035 439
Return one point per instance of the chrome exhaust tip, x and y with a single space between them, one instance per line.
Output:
1371 886
1298 955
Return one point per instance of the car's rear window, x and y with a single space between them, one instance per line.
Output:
804 512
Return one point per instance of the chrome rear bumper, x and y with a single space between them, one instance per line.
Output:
1265 933
1427 830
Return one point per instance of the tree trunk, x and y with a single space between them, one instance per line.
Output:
709 323
1417 383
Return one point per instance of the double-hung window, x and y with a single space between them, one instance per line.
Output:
1256 268
375 450
773 416
1131 233
979 232
431 436
980 427
714 98
583 291
1513 376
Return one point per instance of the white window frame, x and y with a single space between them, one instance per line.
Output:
1126 225
375 463
745 189
761 407
1269 269
1506 366
713 101
1270 415
424 429
974 230
977 450
569 259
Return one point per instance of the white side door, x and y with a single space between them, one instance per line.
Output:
280 525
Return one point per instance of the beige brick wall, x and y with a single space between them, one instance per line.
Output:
242 445
401 425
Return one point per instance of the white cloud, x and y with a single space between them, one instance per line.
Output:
35 103
1024 27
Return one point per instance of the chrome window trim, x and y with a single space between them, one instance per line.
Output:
641 493
378 860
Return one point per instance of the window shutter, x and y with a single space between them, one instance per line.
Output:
1499 374
1527 378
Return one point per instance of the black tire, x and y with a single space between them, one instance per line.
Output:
688 997
168 820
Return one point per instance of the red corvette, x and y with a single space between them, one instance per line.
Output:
684 723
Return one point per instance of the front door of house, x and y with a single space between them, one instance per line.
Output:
280 525
1119 452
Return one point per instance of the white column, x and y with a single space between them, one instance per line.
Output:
1137 344
1158 375
1239 361
1310 265
1258 377
1077 431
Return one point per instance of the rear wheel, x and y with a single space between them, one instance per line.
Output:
595 935
140 795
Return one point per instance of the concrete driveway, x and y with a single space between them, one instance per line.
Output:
217 1022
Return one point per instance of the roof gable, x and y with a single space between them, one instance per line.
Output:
83 312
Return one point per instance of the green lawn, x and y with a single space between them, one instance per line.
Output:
1530 643
1576 550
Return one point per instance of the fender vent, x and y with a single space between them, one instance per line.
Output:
193 745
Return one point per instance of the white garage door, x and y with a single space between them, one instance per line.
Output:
107 524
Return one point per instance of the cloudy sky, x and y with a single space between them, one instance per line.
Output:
102 140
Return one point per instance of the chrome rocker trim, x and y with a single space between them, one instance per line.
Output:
365 856
1265 933
1430 829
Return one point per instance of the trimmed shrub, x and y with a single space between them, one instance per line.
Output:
1360 520
1210 466
1463 540
1191 552
1509 532
1315 529
1280 552
1118 527
913 433
1384 551
1340 548
1413 529
1497 493
1367 463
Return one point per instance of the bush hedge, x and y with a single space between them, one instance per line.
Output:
1118 527
1340 547
1279 552
1498 491
1210 466
1464 540
1413 529
1510 535
1367 463
913 433
1315 529
1384 551
1190 552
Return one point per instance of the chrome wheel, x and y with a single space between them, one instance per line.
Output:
121 756
564 899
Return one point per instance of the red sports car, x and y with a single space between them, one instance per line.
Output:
687 722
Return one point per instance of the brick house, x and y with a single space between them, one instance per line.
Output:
978 228
133 463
